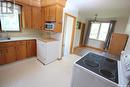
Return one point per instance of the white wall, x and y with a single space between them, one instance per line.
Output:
71 9
120 27
78 31
77 38
128 32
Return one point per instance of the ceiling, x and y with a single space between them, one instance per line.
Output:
104 8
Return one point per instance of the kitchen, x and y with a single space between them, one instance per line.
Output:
32 43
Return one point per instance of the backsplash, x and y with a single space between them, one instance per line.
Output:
31 33
23 33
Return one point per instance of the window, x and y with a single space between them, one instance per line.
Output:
10 21
99 31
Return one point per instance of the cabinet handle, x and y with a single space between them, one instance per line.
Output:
0 52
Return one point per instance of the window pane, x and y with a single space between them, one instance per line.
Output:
94 30
103 31
10 22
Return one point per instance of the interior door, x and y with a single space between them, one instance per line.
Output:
67 37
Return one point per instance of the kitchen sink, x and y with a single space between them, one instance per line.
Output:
5 38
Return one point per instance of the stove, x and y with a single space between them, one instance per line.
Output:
101 65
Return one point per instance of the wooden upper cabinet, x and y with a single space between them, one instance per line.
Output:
46 13
30 2
52 2
35 3
31 17
42 16
59 15
23 1
36 17
27 12
52 15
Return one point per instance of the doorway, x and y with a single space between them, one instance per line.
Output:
68 34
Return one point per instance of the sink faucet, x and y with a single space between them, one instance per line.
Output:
6 34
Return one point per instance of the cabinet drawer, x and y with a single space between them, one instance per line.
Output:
7 44
21 43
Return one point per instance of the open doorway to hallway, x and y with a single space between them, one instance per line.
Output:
68 34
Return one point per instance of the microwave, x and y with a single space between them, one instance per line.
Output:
50 26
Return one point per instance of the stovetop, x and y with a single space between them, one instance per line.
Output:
101 65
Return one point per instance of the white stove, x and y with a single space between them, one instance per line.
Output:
85 77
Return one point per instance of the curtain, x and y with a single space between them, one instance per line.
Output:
87 33
111 30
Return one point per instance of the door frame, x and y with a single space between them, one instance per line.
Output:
73 33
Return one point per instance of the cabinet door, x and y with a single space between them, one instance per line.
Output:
59 15
36 17
42 17
46 13
2 56
31 48
52 15
27 16
10 54
21 50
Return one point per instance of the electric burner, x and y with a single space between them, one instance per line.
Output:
107 73
91 63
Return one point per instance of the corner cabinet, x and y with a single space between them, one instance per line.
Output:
31 48
53 13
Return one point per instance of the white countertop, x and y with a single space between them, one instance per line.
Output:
29 38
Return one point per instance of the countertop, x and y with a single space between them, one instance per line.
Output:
29 38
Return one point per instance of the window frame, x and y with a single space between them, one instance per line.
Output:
20 20
100 22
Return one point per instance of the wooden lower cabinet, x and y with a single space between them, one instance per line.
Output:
21 50
2 56
17 50
10 54
31 48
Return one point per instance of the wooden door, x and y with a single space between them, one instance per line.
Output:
36 17
10 54
2 56
31 48
82 34
117 43
21 50
27 16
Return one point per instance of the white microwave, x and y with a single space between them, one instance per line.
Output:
50 26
